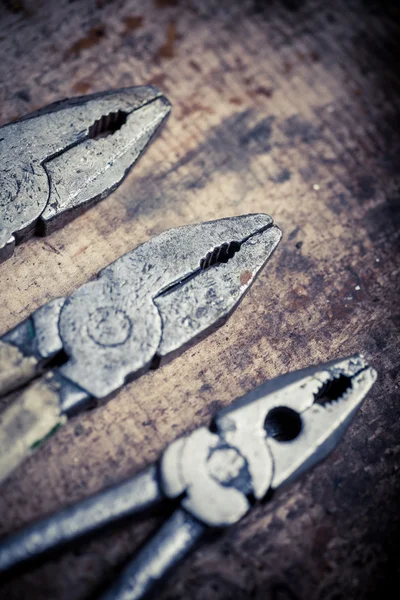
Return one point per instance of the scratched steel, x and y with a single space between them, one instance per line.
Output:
62 159
262 441
141 310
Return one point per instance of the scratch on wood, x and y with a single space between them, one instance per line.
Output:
49 246
81 250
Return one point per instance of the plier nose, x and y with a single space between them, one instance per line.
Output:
143 309
214 474
60 160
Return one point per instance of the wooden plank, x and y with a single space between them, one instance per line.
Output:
289 108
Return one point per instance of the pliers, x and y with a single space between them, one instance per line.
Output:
58 161
142 310
215 474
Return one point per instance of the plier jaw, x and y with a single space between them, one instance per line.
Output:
156 300
305 414
60 160
148 305
225 258
264 440
212 472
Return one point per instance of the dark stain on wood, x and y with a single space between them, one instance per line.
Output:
294 233
287 67
82 87
195 66
281 177
229 148
165 3
93 37
159 80
132 22
23 95
321 539
16 6
167 50
258 138
191 107
214 406
365 188
298 130
295 262
385 216
262 90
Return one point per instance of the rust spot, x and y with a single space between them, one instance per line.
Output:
245 277
235 100
81 250
167 50
82 87
165 3
192 107
132 22
158 80
94 36
264 91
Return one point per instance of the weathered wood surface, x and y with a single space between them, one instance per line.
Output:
291 108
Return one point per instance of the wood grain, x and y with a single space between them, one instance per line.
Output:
290 108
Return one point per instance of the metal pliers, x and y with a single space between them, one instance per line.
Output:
56 162
143 309
216 474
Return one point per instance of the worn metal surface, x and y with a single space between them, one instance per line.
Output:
165 550
150 304
219 471
263 440
154 300
75 521
63 158
290 109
